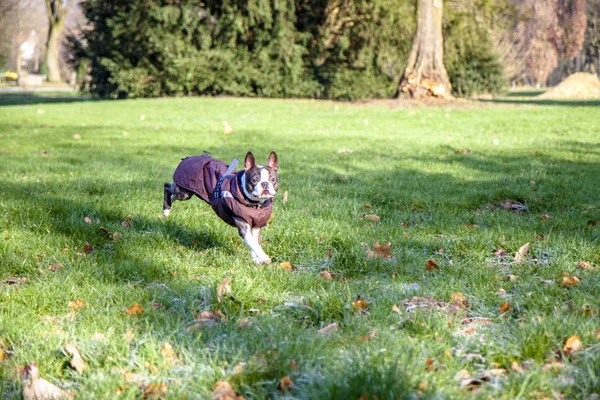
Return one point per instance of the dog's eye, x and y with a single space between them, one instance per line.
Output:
255 180
272 179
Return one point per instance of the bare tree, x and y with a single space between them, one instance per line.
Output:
425 74
18 19
57 11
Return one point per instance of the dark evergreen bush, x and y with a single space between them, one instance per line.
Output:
339 49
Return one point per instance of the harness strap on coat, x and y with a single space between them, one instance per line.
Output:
217 192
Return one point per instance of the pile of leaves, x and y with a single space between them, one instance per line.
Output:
581 85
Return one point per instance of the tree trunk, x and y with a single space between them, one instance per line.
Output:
56 20
425 74
52 52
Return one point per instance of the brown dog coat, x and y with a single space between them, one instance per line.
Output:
200 175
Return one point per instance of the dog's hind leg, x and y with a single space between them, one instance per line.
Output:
174 192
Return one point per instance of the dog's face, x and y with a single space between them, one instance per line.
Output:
260 183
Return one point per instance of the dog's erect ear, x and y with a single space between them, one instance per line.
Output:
272 162
249 163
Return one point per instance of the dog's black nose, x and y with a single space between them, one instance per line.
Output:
265 185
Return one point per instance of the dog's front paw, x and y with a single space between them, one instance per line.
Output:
166 212
261 260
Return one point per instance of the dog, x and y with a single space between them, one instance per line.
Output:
242 199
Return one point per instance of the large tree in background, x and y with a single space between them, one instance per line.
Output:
550 31
425 74
57 11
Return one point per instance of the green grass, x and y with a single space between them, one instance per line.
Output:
402 162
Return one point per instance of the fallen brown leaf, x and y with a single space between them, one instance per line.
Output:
223 288
460 300
36 388
430 365
329 329
360 303
396 309
167 351
227 129
500 253
286 266
545 217
286 384
585 265
368 337
77 362
134 310
285 197
224 391
126 224
504 308
13 280
371 217
55 267
431 265
572 345
326 275
380 251
76 305
521 255
568 281
87 220
87 249
154 391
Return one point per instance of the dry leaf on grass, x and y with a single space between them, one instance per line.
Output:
360 303
329 329
572 345
504 308
326 275
521 255
167 351
77 362
224 391
371 217
126 224
286 384
36 388
430 365
368 337
204 319
223 288
55 267
87 220
460 300
87 249
396 309
76 305
13 280
154 390
285 197
585 265
380 251
545 217
134 310
431 265
286 266
568 281
227 129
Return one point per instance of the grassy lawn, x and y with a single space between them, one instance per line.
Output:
438 178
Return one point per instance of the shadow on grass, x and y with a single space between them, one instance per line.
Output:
544 102
29 98
66 219
525 93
